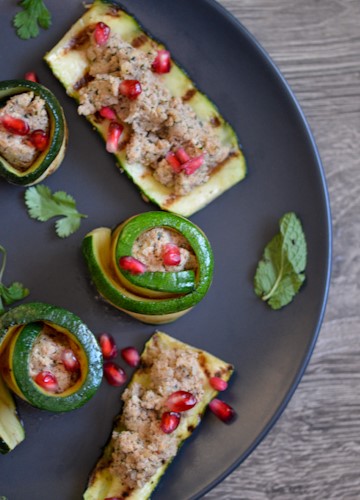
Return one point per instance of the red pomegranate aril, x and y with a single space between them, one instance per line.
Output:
114 133
39 139
131 356
107 346
70 360
114 374
169 421
182 155
222 410
46 380
173 162
171 255
162 63
107 112
134 266
101 33
130 88
14 125
180 401
218 383
31 76
193 164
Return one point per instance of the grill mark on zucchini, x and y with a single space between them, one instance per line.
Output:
139 41
189 95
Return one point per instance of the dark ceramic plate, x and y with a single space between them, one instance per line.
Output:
270 349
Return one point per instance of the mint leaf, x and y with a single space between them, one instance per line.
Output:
33 15
16 291
43 205
280 272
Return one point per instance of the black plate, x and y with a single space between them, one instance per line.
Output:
270 349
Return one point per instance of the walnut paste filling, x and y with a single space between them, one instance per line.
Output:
46 355
148 248
17 149
156 122
143 447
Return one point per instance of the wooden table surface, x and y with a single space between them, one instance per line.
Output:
313 452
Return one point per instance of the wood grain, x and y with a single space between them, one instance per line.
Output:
314 450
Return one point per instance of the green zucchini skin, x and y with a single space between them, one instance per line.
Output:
11 429
49 160
37 312
68 62
103 483
96 249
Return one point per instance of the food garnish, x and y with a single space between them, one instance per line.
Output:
12 293
43 205
281 272
35 14
130 265
156 419
166 135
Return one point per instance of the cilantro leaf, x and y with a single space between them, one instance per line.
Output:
43 205
280 273
16 291
33 15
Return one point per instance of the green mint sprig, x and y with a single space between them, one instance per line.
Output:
280 273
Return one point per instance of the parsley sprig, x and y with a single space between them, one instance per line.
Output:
42 205
9 294
34 15
280 273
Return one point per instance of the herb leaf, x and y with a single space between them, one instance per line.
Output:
280 273
33 15
42 205
16 291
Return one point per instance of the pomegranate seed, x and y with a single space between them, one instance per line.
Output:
218 383
169 421
47 381
70 361
39 139
171 255
182 155
162 63
108 346
107 112
180 401
130 356
32 76
132 265
222 410
114 133
114 374
130 88
101 33
14 125
173 162
193 164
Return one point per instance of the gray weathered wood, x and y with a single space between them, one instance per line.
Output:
314 450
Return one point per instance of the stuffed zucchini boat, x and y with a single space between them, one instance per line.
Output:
167 136
163 404
33 132
49 357
12 431
154 266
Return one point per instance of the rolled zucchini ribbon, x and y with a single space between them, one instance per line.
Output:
151 297
19 330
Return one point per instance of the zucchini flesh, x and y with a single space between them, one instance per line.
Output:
104 483
69 64
11 430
